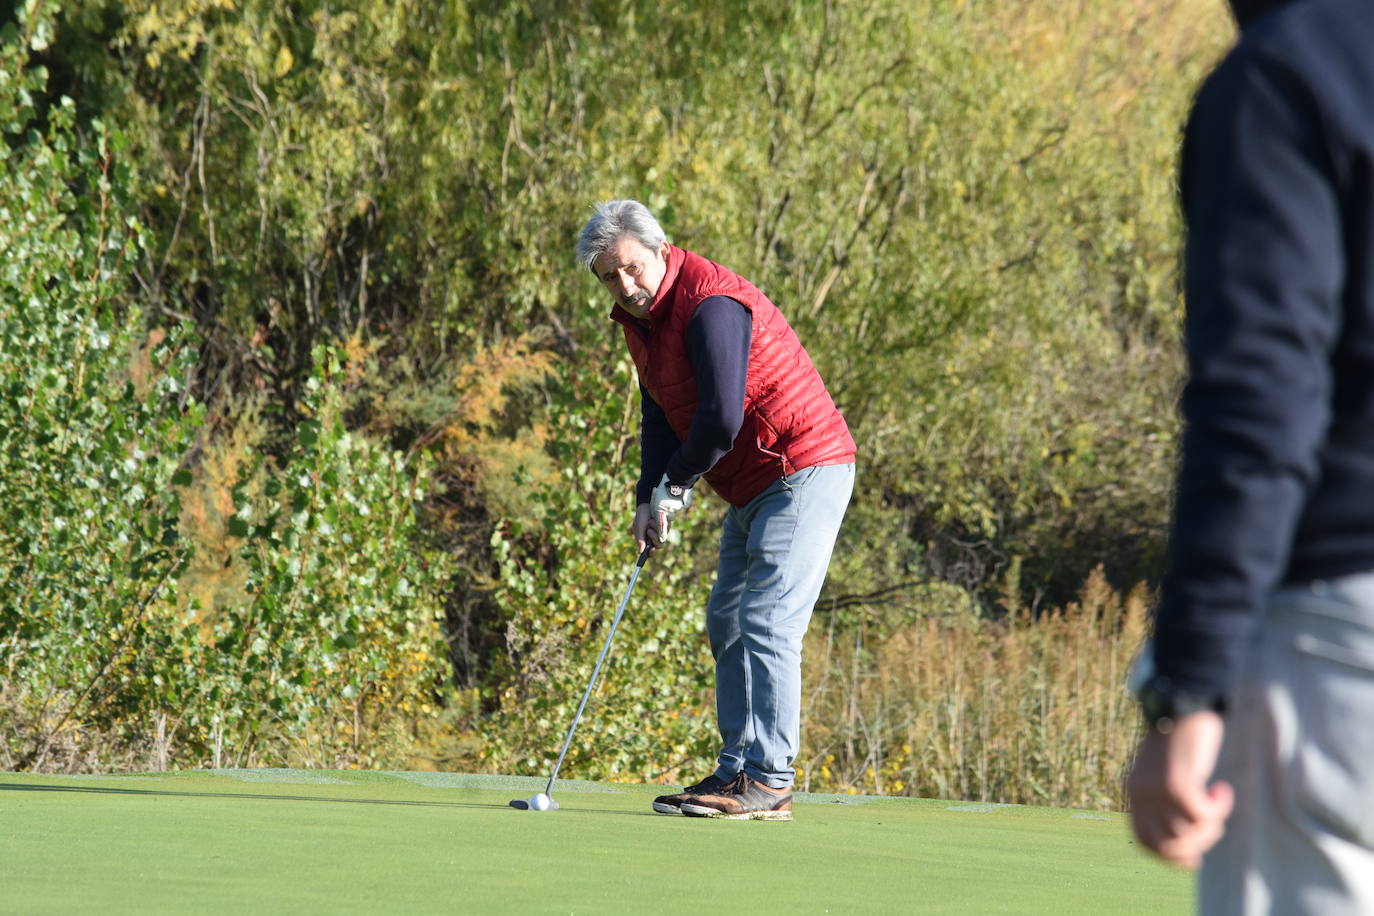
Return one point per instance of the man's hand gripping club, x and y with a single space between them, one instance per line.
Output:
652 519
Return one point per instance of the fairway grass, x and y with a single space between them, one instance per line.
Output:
297 841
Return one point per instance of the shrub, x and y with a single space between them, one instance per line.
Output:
327 646
93 424
330 649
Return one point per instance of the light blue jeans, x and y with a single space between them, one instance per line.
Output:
773 557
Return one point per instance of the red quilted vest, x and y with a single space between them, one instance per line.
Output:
790 421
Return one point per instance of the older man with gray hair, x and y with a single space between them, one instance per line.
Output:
728 394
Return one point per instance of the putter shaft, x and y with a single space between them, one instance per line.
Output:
639 564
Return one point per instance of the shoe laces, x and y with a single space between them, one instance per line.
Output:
738 784
710 782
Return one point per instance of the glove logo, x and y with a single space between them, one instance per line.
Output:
668 499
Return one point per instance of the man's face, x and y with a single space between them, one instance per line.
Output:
632 273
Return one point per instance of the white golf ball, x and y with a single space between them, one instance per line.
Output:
541 802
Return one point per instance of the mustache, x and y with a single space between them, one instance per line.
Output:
637 298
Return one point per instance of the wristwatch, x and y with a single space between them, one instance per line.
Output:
1163 705
1161 702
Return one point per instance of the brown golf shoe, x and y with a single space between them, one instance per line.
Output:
672 804
742 799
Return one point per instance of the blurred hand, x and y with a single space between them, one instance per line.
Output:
1174 812
644 530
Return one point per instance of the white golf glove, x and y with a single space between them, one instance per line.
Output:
667 500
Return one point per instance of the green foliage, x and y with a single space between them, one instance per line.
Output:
560 581
93 423
335 628
481 425
965 208
982 264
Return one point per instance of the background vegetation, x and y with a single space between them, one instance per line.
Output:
317 448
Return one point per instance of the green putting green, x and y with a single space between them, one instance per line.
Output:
272 841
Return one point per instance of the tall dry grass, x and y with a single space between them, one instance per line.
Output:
1024 710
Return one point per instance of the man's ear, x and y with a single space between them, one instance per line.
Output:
663 249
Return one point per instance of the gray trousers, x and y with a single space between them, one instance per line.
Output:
1299 750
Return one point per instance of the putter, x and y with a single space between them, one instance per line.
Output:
543 801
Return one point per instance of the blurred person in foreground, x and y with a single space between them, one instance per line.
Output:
729 394
1258 685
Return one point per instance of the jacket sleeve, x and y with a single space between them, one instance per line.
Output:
657 443
719 336
1264 274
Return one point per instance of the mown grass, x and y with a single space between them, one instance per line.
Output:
349 842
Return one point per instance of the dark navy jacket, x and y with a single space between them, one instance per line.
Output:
1277 480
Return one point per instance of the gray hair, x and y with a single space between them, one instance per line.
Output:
612 220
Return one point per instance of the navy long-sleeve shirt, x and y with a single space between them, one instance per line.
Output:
719 335
1277 478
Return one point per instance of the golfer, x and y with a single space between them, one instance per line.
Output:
1263 653
728 394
